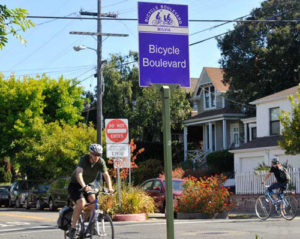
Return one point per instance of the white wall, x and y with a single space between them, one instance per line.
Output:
248 161
263 115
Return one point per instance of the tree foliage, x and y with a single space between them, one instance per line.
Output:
22 102
55 149
262 58
39 123
291 126
123 98
9 19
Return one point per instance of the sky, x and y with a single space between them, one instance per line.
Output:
49 47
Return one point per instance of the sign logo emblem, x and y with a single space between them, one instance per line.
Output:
163 17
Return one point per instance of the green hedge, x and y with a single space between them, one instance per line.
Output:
220 161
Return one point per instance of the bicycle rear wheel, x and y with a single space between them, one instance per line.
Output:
288 207
105 228
263 207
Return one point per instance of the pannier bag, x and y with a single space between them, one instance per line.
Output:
65 218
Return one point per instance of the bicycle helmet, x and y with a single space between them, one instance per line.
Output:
96 149
275 161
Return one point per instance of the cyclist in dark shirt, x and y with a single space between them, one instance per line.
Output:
279 174
87 170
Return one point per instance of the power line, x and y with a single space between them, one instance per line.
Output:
41 46
49 72
191 20
64 67
115 4
216 26
192 44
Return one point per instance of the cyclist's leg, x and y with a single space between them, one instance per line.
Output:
273 186
77 196
79 205
91 198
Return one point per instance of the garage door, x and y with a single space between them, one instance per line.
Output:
248 164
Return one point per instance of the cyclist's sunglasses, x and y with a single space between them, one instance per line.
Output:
96 154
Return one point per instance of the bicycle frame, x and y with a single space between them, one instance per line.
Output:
273 201
84 230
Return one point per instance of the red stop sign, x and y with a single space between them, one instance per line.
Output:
117 131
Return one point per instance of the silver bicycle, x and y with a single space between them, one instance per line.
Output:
99 225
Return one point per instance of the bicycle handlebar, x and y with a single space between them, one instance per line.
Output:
97 191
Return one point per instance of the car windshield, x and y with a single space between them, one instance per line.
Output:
3 190
177 185
43 188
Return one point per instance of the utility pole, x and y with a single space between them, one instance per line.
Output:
99 86
99 35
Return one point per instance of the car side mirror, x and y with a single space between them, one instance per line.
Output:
157 188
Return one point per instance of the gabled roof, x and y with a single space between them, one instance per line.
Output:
276 96
193 85
216 76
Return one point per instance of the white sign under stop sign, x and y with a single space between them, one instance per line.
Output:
116 131
117 150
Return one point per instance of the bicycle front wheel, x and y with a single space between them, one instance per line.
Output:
104 228
288 207
263 207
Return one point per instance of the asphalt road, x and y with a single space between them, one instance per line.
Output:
33 224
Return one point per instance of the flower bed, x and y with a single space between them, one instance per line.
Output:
204 195
133 201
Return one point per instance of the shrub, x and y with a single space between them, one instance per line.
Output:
220 161
176 173
197 173
133 201
5 176
188 164
149 169
204 195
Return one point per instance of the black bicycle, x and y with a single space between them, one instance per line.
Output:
284 204
99 225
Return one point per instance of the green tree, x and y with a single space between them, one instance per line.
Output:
262 58
291 126
23 102
55 149
9 19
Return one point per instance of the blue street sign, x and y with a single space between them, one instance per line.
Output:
163 44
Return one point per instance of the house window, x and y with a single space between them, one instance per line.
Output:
212 97
274 121
206 95
253 132
209 97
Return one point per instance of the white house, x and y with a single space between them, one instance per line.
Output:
262 134
216 125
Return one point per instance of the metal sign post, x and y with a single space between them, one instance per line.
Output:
165 93
164 59
117 138
118 165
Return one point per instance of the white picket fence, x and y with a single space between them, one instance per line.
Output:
250 183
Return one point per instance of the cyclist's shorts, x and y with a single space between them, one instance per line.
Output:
75 193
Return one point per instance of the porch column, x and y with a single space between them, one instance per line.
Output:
224 134
210 137
185 142
245 133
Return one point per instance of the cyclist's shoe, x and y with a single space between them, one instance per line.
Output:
71 232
